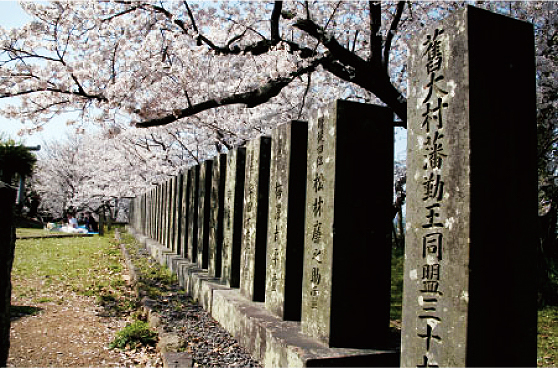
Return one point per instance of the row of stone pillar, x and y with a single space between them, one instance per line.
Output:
299 220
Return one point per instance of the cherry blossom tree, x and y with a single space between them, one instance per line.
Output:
203 76
95 171
230 69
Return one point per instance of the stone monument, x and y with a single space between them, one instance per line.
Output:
469 291
204 198
347 251
232 217
193 178
254 236
216 214
287 207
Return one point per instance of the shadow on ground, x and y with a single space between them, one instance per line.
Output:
20 311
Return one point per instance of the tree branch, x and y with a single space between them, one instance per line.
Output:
275 15
250 99
337 50
391 33
375 36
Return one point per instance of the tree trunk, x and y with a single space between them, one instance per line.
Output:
7 248
102 222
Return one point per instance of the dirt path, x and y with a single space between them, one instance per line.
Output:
65 329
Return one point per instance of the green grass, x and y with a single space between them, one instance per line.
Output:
134 334
86 265
153 279
31 232
547 339
397 261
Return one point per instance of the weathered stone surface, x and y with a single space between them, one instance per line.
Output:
177 213
193 177
204 198
287 207
232 216
172 213
278 343
346 281
469 295
186 187
254 232
165 214
216 215
179 218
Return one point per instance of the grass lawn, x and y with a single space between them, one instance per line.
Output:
31 232
86 265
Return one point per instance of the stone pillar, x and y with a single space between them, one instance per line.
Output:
164 213
287 207
254 233
469 291
347 251
216 215
171 185
160 212
204 198
151 214
193 177
178 213
232 216
186 180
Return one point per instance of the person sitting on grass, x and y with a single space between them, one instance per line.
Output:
72 221
90 223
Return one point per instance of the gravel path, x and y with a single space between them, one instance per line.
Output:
199 334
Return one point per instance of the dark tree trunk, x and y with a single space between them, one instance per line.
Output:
7 248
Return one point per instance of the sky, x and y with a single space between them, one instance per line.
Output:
11 15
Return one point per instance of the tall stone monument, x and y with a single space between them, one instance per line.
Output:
182 219
287 207
216 214
469 290
347 250
232 216
204 197
193 178
254 236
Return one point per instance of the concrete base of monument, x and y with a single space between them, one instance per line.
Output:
274 342
278 343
